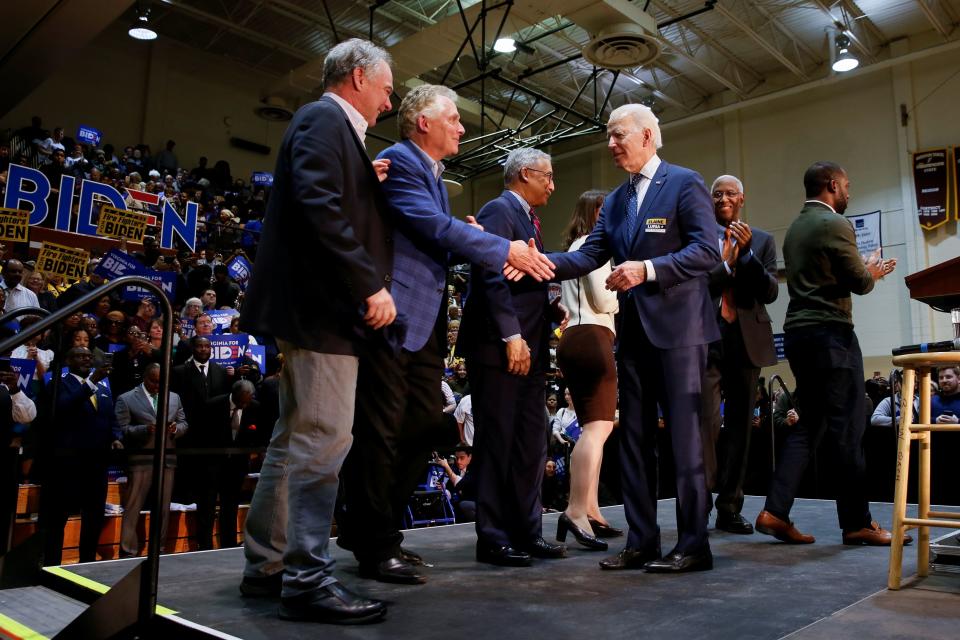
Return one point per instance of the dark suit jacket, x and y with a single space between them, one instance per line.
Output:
327 242
78 424
187 382
214 430
497 309
754 285
676 310
425 235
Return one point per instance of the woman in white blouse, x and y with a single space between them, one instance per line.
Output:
585 356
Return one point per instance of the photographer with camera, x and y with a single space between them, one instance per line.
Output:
462 487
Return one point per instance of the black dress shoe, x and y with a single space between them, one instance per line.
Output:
503 556
262 586
393 570
411 557
604 530
540 548
733 523
334 604
629 559
565 524
677 562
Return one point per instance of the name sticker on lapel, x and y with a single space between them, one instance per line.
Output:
655 225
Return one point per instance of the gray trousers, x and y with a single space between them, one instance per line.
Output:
288 525
139 483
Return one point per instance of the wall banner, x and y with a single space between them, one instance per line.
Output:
930 173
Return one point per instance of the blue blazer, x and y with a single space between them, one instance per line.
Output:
676 231
424 236
497 309
78 424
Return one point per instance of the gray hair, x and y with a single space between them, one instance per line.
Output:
518 159
421 101
150 367
193 301
733 179
643 117
349 55
243 386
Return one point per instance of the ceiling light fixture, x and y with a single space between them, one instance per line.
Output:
845 60
505 45
140 29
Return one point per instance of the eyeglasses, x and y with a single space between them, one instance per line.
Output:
548 174
719 195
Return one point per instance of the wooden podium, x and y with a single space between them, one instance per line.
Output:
938 286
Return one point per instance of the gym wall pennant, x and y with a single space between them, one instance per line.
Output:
931 172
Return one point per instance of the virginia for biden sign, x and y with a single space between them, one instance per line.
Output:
28 189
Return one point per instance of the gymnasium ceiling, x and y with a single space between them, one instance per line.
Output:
713 54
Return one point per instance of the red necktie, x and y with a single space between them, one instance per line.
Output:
535 219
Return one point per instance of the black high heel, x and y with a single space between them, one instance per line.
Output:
565 524
604 530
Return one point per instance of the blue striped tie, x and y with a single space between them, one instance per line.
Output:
633 206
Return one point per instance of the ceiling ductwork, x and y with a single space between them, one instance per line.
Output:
621 35
274 109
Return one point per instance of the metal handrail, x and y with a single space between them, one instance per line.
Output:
147 596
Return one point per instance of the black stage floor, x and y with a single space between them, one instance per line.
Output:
759 588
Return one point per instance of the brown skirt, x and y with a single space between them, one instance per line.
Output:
585 356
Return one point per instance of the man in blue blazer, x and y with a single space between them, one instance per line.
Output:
399 409
660 230
84 430
504 335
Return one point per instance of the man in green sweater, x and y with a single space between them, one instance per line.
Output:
823 269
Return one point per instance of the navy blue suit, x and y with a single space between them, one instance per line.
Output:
77 473
510 445
397 417
665 326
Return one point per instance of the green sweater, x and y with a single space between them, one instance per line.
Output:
823 268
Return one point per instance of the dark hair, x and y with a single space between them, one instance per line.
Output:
584 213
464 447
819 176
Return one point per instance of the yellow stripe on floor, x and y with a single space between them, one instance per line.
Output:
14 629
93 585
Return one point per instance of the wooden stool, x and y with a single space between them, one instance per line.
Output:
912 364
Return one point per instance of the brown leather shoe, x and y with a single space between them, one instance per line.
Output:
873 536
784 531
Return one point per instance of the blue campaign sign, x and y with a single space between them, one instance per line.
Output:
24 369
116 347
778 345
222 318
239 269
116 263
258 353
28 190
228 350
187 328
262 179
90 135
166 280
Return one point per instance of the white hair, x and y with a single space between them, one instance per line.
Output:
733 179
642 116
518 159
421 101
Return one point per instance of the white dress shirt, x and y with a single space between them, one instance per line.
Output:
355 117
24 411
648 171
19 297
